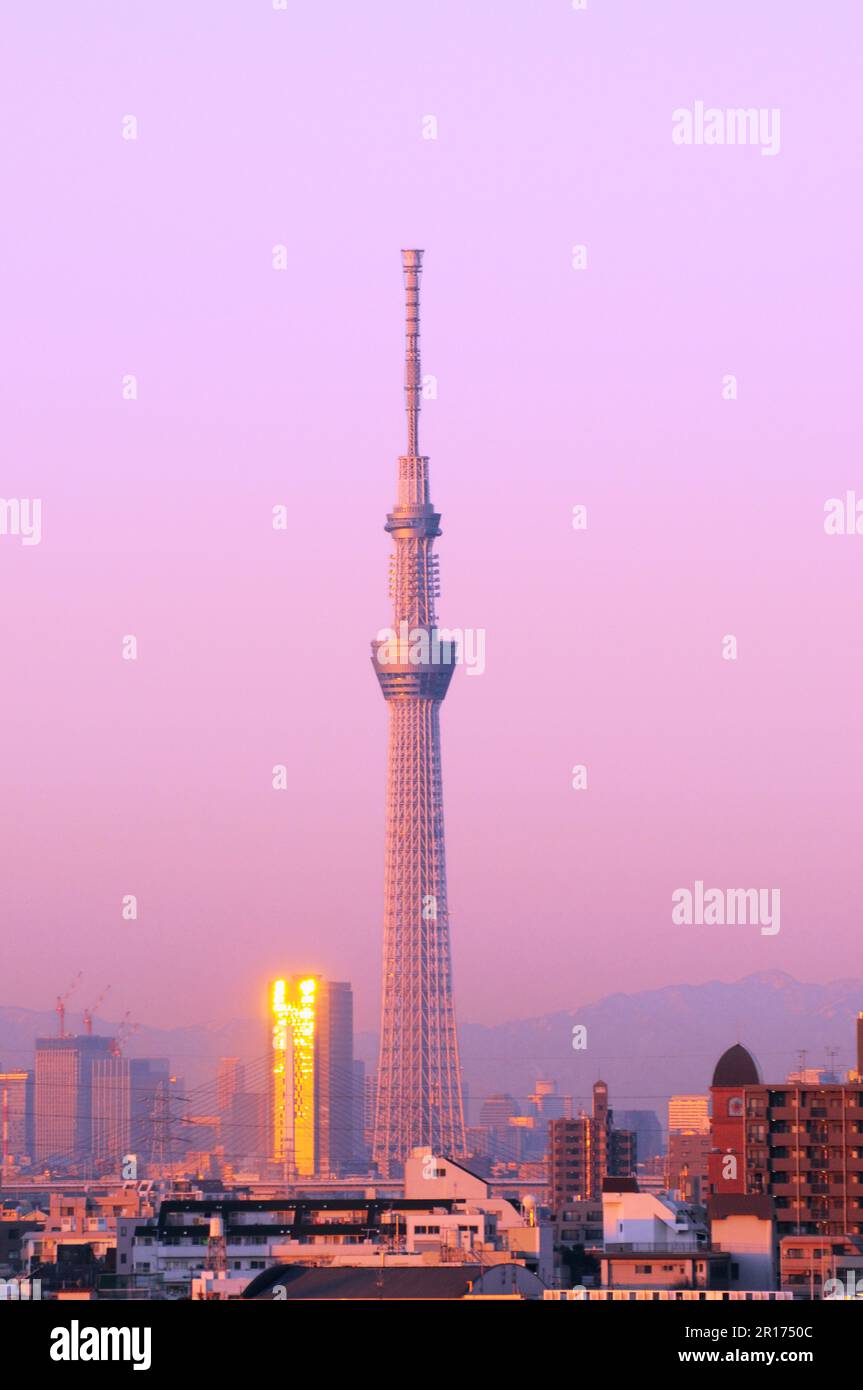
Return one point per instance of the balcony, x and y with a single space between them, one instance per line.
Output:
686 1246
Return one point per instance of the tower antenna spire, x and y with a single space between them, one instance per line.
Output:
412 263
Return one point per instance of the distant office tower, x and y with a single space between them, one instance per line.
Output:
63 1106
688 1115
230 1079
369 1110
419 1100
244 1130
125 1100
334 1132
311 1097
809 1076
361 1156
495 1115
545 1102
646 1127
496 1110
586 1149
16 1117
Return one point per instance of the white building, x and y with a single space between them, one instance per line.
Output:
645 1220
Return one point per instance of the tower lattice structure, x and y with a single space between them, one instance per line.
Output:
419 1098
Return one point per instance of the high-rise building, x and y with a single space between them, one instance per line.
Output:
546 1103
125 1094
496 1115
311 1094
233 1112
688 1115
799 1143
230 1078
586 1149
334 1112
419 1098
361 1156
16 1117
244 1129
64 1095
647 1129
688 1146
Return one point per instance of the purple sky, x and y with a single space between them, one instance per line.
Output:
555 387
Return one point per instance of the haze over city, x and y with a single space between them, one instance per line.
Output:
555 387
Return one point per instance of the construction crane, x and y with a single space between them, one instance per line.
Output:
90 1010
125 1030
60 1006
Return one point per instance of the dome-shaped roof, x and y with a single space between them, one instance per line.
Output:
736 1067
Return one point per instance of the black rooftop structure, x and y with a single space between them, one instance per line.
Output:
289 1282
736 1067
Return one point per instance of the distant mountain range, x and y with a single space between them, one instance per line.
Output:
647 1046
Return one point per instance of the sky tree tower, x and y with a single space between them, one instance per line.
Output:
419 1099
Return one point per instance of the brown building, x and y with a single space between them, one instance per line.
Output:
584 1150
686 1167
798 1143
579 1223
807 1262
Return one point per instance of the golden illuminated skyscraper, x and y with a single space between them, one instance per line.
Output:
16 1118
419 1099
311 1093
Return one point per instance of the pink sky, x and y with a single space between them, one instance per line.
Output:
555 387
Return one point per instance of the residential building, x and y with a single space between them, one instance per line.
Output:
800 1144
653 1241
586 1149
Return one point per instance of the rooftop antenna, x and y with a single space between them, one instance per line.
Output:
412 264
90 1010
